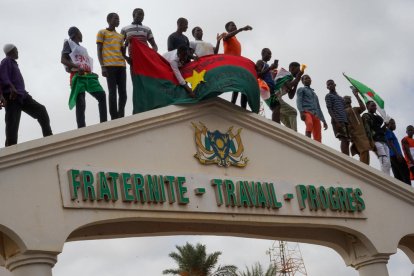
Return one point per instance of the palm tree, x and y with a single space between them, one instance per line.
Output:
257 270
194 261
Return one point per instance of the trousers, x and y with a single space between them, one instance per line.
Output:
383 153
32 108
81 106
116 81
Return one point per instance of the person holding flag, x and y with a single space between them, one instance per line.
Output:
177 59
209 77
233 47
369 94
361 144
79 64
286 82
264 70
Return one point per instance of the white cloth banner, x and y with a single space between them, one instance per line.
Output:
80 57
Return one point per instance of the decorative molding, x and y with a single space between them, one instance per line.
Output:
31 258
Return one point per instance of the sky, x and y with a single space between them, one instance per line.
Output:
372 41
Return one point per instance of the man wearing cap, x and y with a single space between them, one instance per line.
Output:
18 99
79 64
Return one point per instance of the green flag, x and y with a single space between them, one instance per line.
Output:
367 93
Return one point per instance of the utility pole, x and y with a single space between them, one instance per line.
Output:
287 258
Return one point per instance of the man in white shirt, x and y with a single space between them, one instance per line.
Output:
178 58
202 48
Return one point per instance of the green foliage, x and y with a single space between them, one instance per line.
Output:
194 261
257 270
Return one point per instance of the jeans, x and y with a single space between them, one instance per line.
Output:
81 106
116 79
32 108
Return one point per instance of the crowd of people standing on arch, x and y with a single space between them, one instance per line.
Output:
359 132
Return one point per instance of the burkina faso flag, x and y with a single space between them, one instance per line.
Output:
155 84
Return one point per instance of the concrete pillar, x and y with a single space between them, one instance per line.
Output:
31 264
373 267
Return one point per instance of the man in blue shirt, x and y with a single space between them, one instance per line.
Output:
18 99
265 70
310 110
398 165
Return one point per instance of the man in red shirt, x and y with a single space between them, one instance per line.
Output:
408 149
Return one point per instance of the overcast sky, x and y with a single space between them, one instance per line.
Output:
371 40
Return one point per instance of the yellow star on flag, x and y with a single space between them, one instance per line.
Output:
195 79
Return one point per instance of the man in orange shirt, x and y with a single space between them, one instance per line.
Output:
232 47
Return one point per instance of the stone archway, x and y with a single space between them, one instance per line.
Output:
407 246
69 180
10 244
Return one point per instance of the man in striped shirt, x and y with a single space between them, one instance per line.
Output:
111 57
136 29
336 108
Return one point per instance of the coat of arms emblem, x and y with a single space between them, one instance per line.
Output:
223 149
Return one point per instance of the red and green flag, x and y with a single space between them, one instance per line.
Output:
368 94
155 84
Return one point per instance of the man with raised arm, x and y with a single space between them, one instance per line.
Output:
233 47
202 48
78 63
286 82
361 143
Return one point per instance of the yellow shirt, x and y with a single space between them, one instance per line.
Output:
111 47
